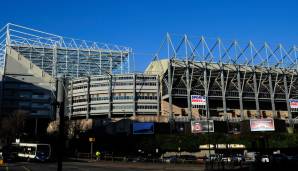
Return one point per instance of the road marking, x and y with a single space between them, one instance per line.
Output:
6 168
26 168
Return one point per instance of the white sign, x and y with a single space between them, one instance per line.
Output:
202 126
293 103
198 100
262 125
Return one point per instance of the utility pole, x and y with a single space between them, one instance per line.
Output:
60 103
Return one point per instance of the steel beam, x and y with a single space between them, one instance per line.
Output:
110 96
256 93
170 85
240 93
71 100
134 95
88 98
287 94
223 92
206 87
188 88
54 62
272 96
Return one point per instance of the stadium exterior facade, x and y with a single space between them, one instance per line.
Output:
30 61
238 82
134 96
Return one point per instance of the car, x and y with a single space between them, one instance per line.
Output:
227 159
170 159
265 159
279 158
212 157
187 158
238 158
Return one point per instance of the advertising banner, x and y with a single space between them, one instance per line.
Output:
202 126
198 100
143 128
293 103
262 125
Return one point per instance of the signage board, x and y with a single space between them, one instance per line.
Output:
198 100
202 126
143 128
91 139
293 103
262 125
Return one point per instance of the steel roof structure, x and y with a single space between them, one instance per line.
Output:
218 51
62 55
226 71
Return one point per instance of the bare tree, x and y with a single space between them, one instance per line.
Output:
12 126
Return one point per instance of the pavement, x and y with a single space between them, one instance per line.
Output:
100 166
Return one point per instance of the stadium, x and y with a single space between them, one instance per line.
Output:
237 81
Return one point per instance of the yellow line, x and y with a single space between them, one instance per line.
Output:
26 168
6 168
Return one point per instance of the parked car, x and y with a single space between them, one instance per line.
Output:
279 158
170 159
265 159
238 158
187 158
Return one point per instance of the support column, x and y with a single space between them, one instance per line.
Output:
54 63
223 92
158 95
287 94
170 86
206 87
188 88
134 95
240 94
71 100
111 65
78 62
110 95
88 98
272 96
256 93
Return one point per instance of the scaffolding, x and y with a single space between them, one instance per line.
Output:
55 54
227 71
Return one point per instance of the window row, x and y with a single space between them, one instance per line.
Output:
124 78
146 83
99 98
79 109
123 107
79 97
80 87
99 108
147 107
79 100
147 97
146 77
79 81
100 79
122 97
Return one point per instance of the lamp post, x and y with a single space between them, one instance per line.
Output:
208 137
60 102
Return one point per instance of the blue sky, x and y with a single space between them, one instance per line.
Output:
142 25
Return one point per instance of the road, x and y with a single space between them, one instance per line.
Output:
99 166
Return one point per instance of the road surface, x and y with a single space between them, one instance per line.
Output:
99 166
